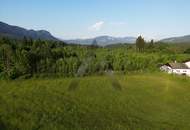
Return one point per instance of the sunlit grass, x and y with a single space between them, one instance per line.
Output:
144 101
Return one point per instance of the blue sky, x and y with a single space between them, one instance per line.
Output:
68 19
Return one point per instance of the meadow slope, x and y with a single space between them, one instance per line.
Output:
131 102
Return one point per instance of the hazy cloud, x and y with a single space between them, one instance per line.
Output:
97 26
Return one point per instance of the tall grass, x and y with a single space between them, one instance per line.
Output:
145 101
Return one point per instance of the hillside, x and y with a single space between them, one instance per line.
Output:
19 32
182 39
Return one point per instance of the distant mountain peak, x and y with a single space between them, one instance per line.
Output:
44 31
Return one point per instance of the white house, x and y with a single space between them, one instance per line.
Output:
187 63
177 68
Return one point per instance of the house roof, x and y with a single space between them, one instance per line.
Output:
178 66
186 61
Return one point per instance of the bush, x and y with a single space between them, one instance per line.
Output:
187 51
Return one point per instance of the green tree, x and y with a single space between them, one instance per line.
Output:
140 44
6 56
151 44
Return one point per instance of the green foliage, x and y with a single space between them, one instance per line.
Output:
187 51
27 58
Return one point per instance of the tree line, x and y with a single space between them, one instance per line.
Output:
28 58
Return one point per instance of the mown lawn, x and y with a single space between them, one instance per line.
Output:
131 102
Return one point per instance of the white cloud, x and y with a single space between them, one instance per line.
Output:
97 26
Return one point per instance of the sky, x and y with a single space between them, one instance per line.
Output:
70 19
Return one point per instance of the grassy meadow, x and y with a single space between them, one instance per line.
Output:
150 101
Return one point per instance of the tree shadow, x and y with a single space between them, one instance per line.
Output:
74 84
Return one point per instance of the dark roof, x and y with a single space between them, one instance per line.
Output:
178 66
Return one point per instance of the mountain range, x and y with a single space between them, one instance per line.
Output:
103 40
182 39
19 32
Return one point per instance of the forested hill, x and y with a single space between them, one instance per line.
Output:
7 30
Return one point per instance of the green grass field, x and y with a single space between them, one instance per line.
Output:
131 102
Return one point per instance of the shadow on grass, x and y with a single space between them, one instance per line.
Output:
115 84
74 84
